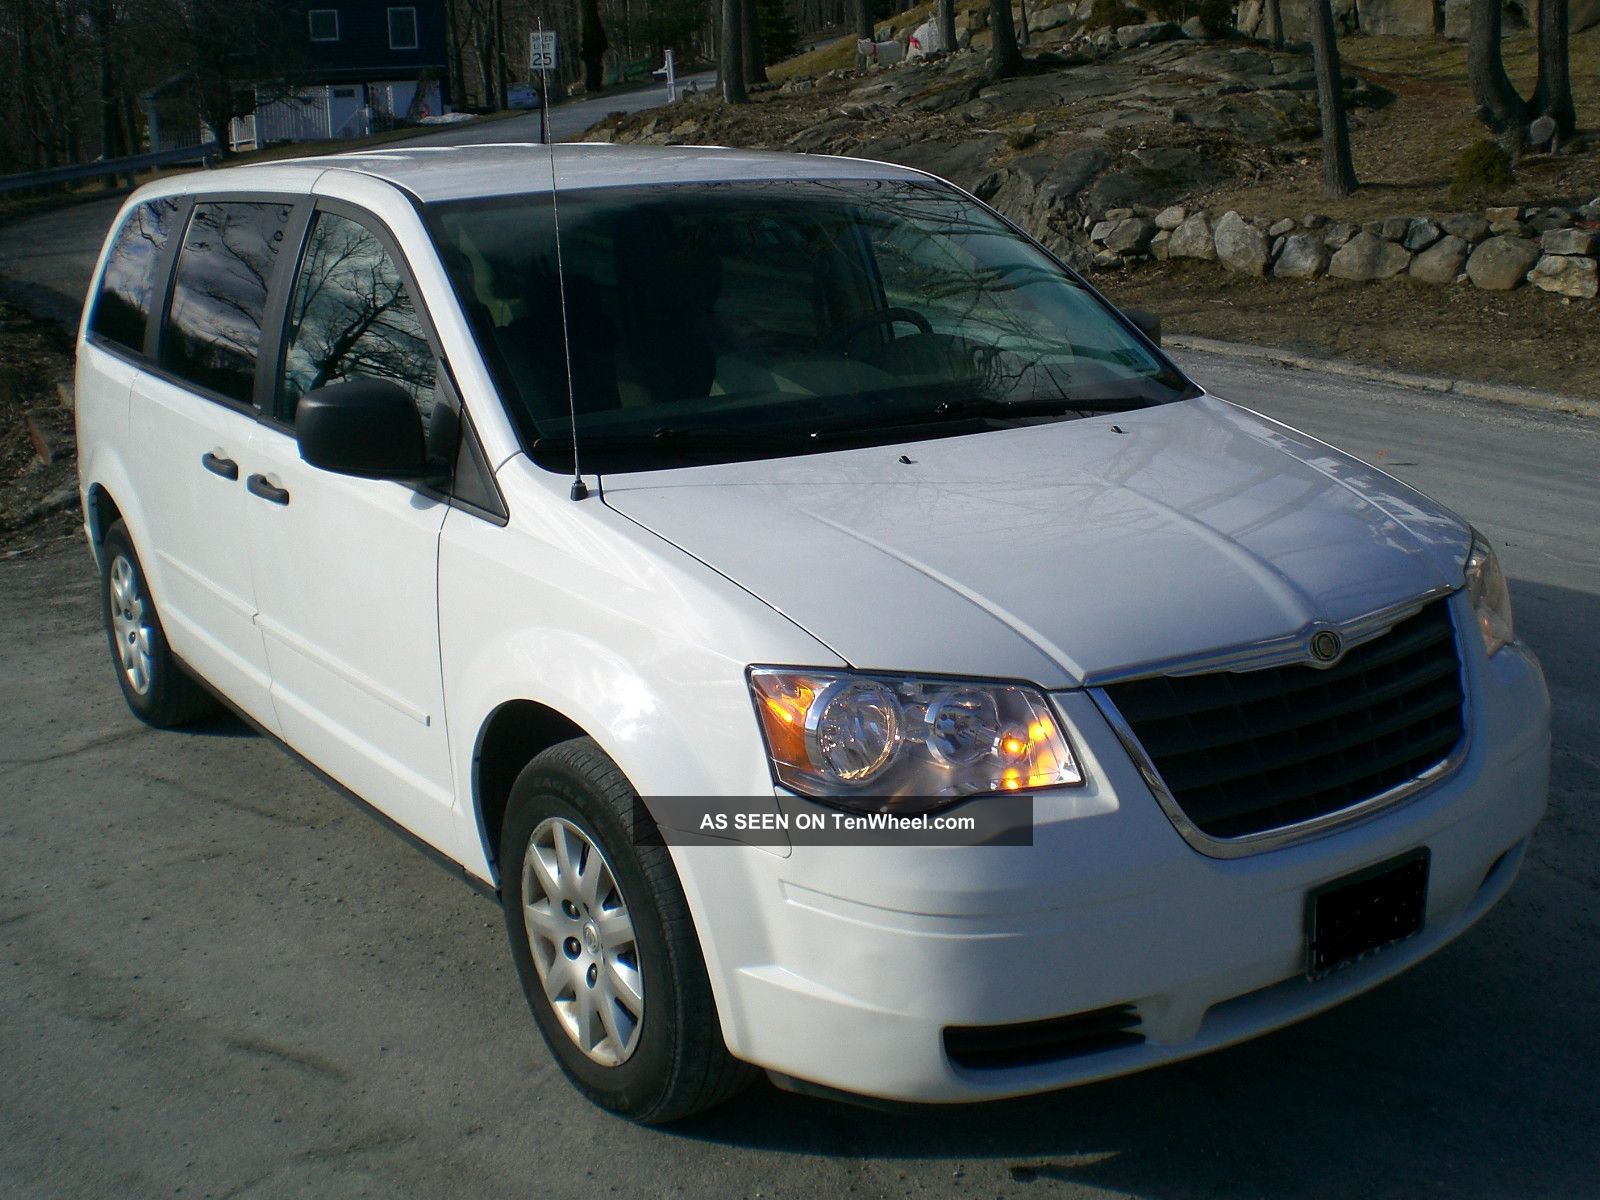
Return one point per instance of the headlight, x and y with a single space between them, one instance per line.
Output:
885 742
1491 599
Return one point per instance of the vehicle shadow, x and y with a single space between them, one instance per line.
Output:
1467 1076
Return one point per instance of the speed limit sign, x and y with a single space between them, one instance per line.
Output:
542 50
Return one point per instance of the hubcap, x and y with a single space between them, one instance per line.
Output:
130 625
581 935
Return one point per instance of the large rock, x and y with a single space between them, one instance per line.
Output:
1130 236
1304 256
1193 239
1499 264
1053 17
1441 262
1172 217
1144 35
1340 233
1034 189
1408 18
1368 256
1567 275
1469 227
1569 241
1241 246
1420 234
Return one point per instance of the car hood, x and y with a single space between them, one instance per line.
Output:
1060 552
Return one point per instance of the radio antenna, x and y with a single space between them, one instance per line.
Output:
579 489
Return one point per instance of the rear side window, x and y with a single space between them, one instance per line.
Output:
122 306
352 317
219 294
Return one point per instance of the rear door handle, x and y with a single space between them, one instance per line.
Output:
219 465
259 486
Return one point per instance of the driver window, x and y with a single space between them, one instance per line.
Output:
352 317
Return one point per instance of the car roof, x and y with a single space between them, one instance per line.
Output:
436 173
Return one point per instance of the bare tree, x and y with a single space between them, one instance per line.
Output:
732 52
755 60
592 45
1275 21
1005 56
1338 171
1500 106
945 12
861 11
1552 91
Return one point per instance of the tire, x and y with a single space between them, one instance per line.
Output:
661 1056
157 689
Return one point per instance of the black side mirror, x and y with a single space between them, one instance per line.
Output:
1146 323
367 427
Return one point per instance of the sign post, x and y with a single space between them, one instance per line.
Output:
541 61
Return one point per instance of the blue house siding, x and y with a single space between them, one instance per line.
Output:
363 54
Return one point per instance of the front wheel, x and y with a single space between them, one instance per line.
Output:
604 944
154 685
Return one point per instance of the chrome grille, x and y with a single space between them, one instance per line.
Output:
1245 753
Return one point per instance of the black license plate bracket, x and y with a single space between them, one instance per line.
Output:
1356 915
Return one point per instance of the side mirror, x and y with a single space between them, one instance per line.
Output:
367 427
1146 323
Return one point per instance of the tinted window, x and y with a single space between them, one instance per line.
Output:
721 320
352 317
122 307
219 294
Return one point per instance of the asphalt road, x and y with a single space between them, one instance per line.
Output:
217 978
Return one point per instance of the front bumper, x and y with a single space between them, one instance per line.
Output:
844 966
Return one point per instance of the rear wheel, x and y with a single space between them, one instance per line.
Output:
154 685
604 944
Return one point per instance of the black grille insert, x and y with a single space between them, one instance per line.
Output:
989 1047
1253 751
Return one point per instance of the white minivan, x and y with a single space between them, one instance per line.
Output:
845 645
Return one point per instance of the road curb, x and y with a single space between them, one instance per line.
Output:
1503 393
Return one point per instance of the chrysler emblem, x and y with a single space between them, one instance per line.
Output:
1326 646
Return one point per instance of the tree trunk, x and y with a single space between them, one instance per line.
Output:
1022 34
1501 107
592 46
1005 56
501 97
946 13
1275 21
1552 92
1338 172
862 11
732 52
755 62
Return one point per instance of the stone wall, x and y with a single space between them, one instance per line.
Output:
1497 249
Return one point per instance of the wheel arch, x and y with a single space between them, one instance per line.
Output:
509 739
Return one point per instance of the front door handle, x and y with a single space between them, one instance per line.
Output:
218 465
259 486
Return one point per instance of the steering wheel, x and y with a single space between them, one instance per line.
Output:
840 337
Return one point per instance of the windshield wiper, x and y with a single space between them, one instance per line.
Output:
983 406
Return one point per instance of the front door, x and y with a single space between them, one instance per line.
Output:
345 569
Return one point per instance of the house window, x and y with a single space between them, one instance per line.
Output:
324 24
402 29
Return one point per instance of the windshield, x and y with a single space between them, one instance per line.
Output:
711 322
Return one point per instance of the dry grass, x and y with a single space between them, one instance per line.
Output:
1524 337
1406 152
